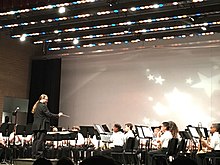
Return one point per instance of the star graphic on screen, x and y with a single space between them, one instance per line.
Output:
150 77
189 81
159 80
209 84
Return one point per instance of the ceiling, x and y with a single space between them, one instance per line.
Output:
106 22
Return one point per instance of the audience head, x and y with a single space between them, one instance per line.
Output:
65 161
182 160
99 160
42 161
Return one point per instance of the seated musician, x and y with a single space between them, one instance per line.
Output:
212 144
79 141
163 137
52 146
117 138
2 146
174 130
77 144
28 146
16 141
154 138
214 139
116 141
128 131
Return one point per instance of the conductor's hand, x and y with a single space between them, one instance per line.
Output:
60 114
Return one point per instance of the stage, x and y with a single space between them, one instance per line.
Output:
27 161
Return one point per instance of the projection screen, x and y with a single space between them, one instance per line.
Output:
143 86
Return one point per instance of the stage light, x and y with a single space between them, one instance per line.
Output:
56 31
75 41
23 37
204 28
62 10
192 19
156 6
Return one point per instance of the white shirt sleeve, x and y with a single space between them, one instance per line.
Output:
215 141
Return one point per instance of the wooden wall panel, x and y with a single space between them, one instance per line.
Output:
15 60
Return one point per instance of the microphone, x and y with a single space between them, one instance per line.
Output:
15 111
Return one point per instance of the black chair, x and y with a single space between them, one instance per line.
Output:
212 158
129 155
181 149
168 156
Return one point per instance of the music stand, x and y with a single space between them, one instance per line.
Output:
105 127
28 130
99 128
11 128
185 135
20 130
28 140
148 132
87 131
195 136
203 132
139 131
53 136
98 137
193 132
73 135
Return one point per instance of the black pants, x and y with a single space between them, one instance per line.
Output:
38 143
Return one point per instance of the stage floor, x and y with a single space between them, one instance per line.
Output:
27 161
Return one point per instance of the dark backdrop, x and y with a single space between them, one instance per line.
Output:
45 78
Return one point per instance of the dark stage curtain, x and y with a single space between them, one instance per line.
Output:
45 79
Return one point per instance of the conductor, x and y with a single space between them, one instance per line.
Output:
41 125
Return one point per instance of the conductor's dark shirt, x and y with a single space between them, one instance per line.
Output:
42 117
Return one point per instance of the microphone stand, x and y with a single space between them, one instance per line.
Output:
200 141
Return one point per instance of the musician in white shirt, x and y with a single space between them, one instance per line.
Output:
17 142
214 140
79 141
128 131
117 138
213 146
163 137
77 144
